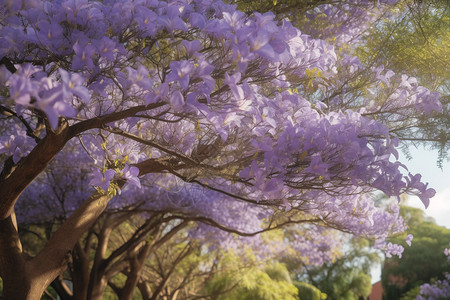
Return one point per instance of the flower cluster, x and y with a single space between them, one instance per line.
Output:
30 87
344 22
245 106
439 289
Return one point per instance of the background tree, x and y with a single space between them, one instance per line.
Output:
269 282
345 277
422 261
307 291
416 43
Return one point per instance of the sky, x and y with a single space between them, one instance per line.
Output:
424 162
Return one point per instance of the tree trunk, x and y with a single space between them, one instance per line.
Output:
80 273
98 289
136 265
62 289
16 284
145 289
27 279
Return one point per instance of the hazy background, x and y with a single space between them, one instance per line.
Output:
424 162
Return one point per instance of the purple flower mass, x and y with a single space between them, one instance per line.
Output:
102 180
200 115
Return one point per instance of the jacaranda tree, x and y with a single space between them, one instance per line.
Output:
238 121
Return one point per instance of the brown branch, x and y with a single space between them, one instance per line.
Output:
53 259
136 266
135 239
79 268
214 223
29 131
12 261
170 234
184 252
62 289
156 165
100 122
14 182
133 137
19 176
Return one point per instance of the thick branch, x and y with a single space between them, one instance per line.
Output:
29 167
136 266
139 235
19 176
101 121
12 261
52 260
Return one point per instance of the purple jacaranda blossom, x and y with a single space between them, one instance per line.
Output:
192 103
191 46
50 100
50 34
425 193
318 167
10 40
429 101
140 77
48 95
234 20
172 20
73 84
386 77
147 21
258 174
282 143
21 84
260 44
439 290
99 86
408 82
11 7
16 145
107 48
203 70
177 101
197 20
232 82
4 75
158 93
72 10
242 55
20 89
83 56
393 249
131 175
180 72
408 239
102 180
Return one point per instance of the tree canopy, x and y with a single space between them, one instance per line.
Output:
345 277
421 262
182 113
